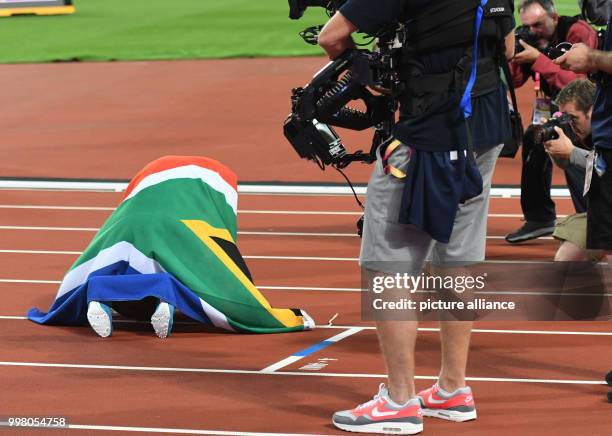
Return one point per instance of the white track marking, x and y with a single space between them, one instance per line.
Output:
246 232
309 288
39 252
421 329
295 357
314 258
60 252
285 373
306 288
54 207
172 430
251 233
240 211
243 211
52 229
183 431
252 188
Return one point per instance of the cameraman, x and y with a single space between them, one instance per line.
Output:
575 100
547 29
413 208
599 214
596 11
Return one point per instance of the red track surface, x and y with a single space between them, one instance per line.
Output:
256 402
126 114
105 121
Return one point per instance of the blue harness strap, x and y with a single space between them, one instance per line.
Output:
466 99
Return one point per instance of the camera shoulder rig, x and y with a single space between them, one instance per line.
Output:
322 104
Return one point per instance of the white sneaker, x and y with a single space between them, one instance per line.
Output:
163 319
100 318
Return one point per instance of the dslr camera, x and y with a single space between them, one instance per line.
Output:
546 131
297 7
522 33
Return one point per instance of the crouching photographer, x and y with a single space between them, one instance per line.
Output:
567 139
544 30
599 179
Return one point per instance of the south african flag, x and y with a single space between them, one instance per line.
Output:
173 237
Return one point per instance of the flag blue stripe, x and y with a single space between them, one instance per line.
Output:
120 282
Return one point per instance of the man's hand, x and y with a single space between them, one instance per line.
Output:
560 148
335 37
578 59
528 56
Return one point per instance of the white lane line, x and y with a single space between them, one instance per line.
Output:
183 431
339 259
321 234
497 331
285 373
530 293
39 252
304 288
421 329
240 211
172 430
52 229
251 233
310 350
311 288
251 188
54 207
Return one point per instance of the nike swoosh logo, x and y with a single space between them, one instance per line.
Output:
378 414
432 401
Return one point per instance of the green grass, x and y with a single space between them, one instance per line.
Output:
158 29
168 29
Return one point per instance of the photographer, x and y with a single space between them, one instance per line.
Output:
599 214
546 29
596 11
426 198
575 100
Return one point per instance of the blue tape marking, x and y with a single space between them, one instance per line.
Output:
314 348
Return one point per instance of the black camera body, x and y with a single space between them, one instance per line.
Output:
297 7
321 104
546 131
522 33
324 102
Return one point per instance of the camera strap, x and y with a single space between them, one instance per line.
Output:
466 98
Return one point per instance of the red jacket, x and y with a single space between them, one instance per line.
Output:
557 78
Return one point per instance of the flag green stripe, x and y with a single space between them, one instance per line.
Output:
151 221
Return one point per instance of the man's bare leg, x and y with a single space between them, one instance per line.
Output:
455 342
397 341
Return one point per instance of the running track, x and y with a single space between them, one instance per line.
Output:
528 378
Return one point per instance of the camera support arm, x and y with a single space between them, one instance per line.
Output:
322 103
